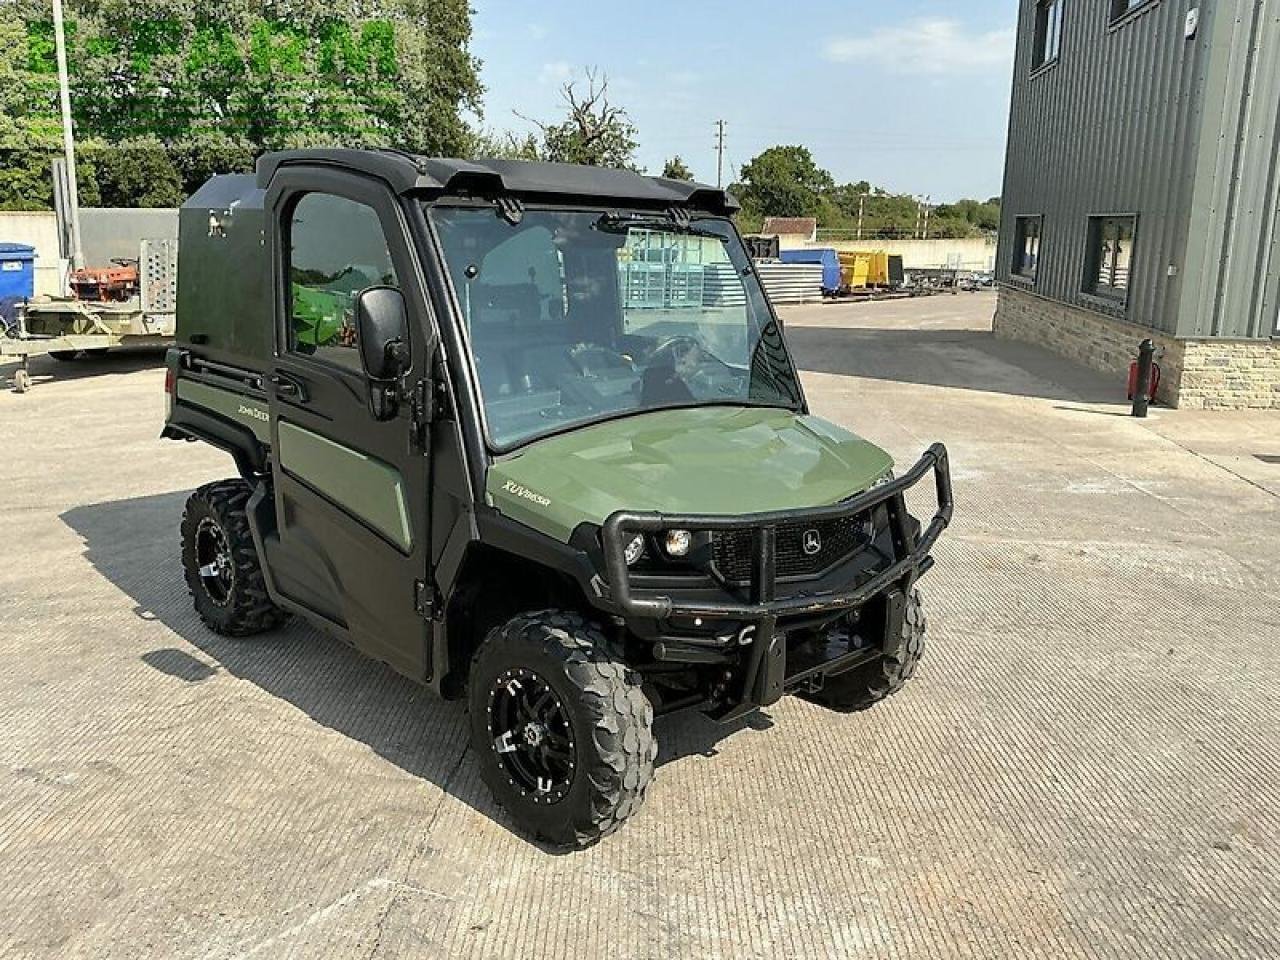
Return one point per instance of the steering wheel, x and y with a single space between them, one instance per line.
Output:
698 379
666 350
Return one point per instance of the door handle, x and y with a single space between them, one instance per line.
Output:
286 386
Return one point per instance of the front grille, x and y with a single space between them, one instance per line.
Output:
733 550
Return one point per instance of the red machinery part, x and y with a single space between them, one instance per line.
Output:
105 284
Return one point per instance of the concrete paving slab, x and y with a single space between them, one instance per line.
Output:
1088 764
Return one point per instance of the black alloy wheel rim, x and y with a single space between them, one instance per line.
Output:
213 560
531 736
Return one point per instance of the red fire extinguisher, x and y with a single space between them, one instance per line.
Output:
1133 378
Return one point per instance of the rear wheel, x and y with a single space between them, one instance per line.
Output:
560 728
221 562
865 686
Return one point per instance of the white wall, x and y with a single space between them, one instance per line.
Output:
38 229
105 233
968 254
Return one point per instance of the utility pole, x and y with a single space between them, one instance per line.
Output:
720 154
927 210
68 138
862 200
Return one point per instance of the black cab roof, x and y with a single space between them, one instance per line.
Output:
522 179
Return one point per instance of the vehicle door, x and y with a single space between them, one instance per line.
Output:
350 491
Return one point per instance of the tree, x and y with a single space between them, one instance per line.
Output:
349 72
26 95
218 83
484 144
984 216
197 158
784 182
137 174
675 169
596 133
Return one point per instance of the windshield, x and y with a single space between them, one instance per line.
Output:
574 316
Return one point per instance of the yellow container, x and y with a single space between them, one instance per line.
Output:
854 268
862 269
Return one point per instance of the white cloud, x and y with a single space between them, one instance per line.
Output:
557 72
930 46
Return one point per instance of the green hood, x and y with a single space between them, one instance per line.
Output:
711 460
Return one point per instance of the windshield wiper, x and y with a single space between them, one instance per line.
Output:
622 222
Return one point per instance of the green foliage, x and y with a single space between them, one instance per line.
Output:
675 169
26 89
198 158
984 216
786 182
26 179
139 174
484 144
216 84
595 132
142 173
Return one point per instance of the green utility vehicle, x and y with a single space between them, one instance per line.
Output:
530 434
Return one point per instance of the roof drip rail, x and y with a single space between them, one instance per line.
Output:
419 163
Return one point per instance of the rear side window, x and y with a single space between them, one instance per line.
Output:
337 248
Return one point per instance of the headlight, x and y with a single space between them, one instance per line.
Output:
677 543
635 550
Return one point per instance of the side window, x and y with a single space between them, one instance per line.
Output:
1111 246
1121 7
1026 246
1048 35
336 249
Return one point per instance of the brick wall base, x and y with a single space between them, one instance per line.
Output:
1195 374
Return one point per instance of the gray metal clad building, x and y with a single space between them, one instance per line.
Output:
1142 191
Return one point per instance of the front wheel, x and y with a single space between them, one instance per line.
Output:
560 727
863 687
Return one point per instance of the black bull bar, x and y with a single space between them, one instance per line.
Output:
911 553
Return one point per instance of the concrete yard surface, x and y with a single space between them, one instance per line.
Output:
1087 764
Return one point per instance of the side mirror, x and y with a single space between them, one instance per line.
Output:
382 324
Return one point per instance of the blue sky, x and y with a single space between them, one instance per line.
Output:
912 96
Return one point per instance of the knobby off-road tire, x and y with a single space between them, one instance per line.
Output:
865 686
221 563
558 673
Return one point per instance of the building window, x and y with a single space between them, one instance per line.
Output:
1026 246
1121 7
1048 41
1111 243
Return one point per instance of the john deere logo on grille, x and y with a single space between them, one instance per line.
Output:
811 543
